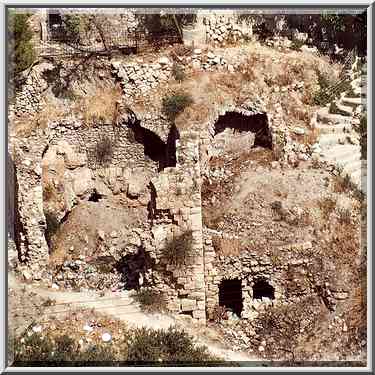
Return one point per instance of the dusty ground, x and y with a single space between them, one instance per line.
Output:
83 223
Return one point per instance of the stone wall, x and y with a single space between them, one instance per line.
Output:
127 151
116 24
291 278
223 28
139 77
30 99
178 210
29 215
217 27
75 145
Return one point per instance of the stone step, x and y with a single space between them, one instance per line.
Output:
358 179
342 154
352 167
360 91
356 82
344 108
325 117
333 139
328 129
351 102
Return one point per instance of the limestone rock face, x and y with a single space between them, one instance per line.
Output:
134 189
82 181
65 178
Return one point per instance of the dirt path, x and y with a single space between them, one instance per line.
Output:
122 306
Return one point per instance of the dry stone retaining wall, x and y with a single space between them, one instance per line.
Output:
30 237
29 100
290 279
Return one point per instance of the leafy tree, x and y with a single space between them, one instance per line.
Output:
72 25
21 49
348 30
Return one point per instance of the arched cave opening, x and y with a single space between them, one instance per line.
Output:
154 147
230 295
54 18
262 289
134 267
240 123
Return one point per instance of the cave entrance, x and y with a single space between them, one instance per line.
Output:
55 26
134 267
262 289
230 295
241 123
154 147
95 197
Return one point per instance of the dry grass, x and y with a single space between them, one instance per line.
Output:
341 184
30 124
311 137
327 205
227 246
101 106
97 107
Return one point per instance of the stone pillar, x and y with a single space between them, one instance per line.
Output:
178 192
31 243
43 25
195 35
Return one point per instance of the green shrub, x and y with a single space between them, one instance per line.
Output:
175 104
177 251
60 351
172 347
323 81
21 49
151 300
322 97
97 355
138 347
297 44
35 350
72 24
178 73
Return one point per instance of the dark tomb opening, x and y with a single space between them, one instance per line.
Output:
257 124
95 197
262 288
154 147
230 295
54 19
133 268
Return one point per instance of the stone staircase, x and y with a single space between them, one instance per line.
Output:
338 144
